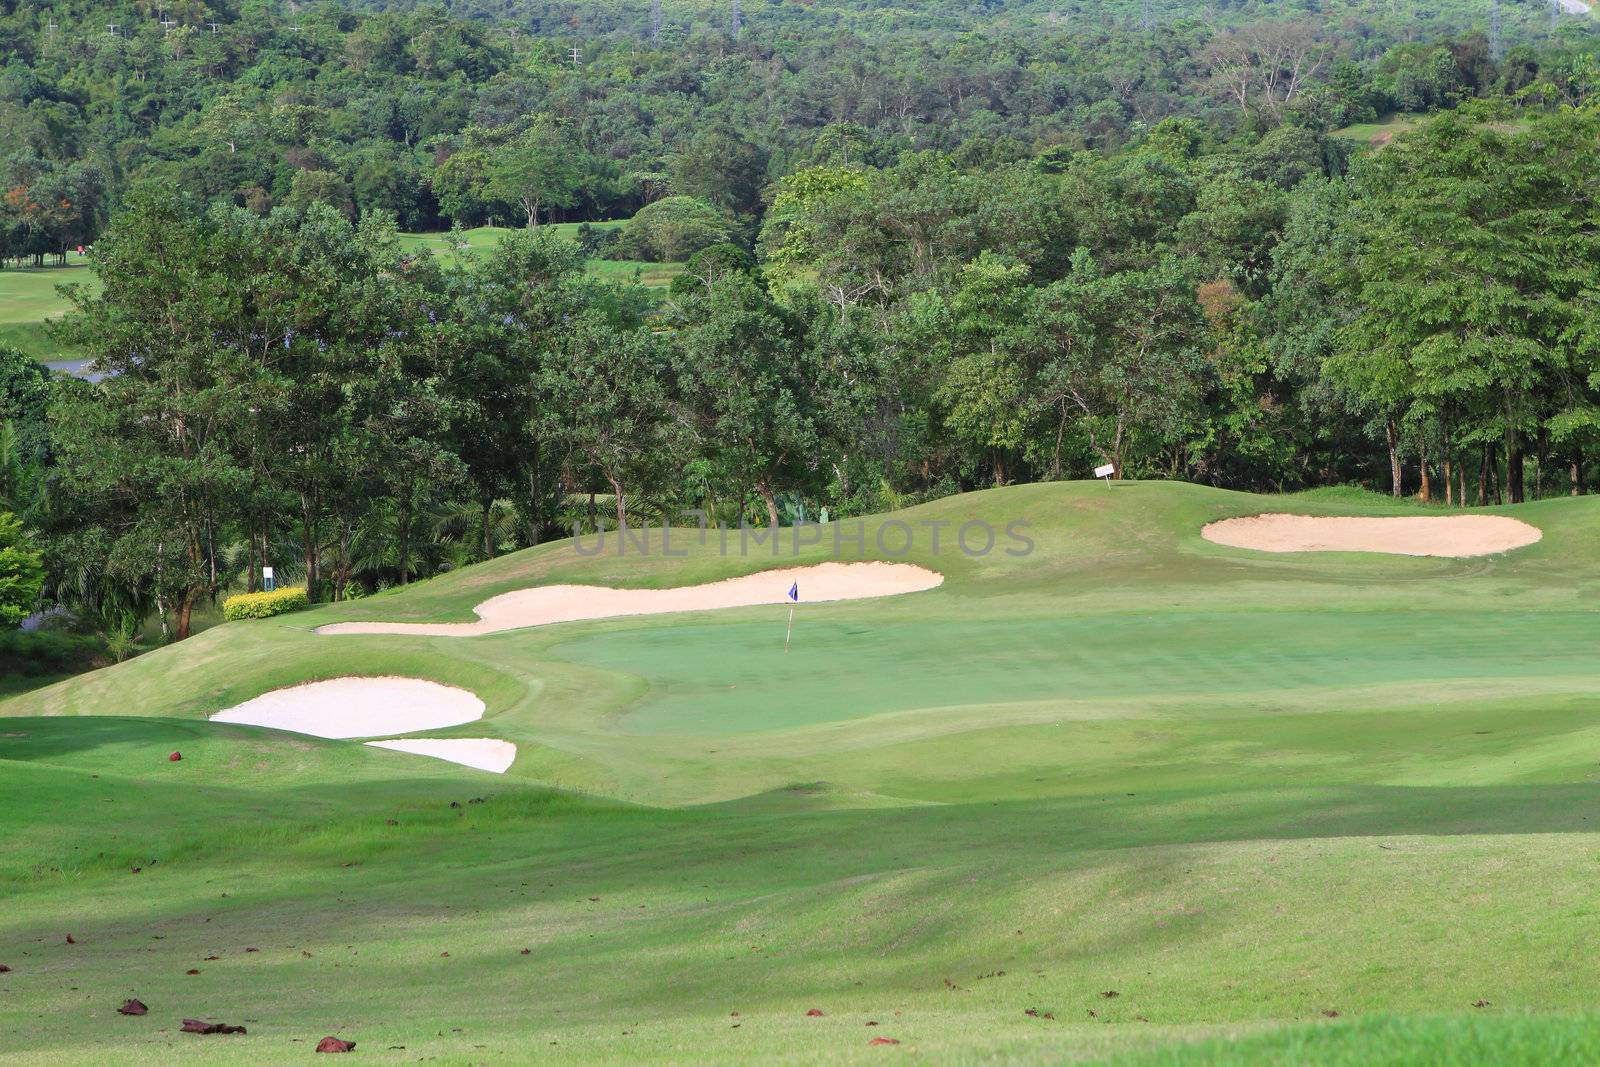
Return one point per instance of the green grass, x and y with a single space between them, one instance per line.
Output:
1240 790
28 299
1382 131
1377 134
483 238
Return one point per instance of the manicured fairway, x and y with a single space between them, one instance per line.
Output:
28 299
1135 795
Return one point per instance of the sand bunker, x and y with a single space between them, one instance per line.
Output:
573 603
484 753
1419 535
358 707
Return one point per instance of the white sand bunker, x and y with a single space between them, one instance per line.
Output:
573 603
358 707
484 753
1419 535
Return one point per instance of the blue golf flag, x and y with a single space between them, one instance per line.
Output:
794 592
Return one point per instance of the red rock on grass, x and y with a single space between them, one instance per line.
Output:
133 1007
4 969
175 757
814 1013
883 1041
198 1026
333 1044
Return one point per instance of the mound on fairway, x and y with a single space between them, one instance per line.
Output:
358 707
1408 535
484 753
574 603
1337 808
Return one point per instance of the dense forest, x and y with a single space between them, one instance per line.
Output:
1003 243
435 118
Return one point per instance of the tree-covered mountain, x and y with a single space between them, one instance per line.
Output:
586 110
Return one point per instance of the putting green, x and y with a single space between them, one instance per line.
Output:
1239 790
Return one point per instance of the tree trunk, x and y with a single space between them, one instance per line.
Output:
185 612
1513 468
1575 471
308 534
250 562
1061 429
341 580
533 504
1393 432
999 468
405 536
1426 489
1449 487
772 504
621 502
1483 475
488 538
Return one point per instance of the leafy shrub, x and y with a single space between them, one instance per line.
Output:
673 229
120 643
31 653
263 605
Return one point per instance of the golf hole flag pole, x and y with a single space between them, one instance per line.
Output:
1106 472
794 598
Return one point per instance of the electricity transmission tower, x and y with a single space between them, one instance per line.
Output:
1146 17
736 22
655 21
1494 30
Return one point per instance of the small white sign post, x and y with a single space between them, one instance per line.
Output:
267 582
1104 473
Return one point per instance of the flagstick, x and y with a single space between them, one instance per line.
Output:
787 633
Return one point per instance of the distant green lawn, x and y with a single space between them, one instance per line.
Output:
28 297
483 238
1287 808
1382 131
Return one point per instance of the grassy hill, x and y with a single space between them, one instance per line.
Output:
1319 805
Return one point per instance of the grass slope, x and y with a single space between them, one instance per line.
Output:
1239 790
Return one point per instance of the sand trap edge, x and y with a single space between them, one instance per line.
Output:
551 604
480 753
1443 536
356 706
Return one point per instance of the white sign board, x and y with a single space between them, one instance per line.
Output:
1105 472
266 579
